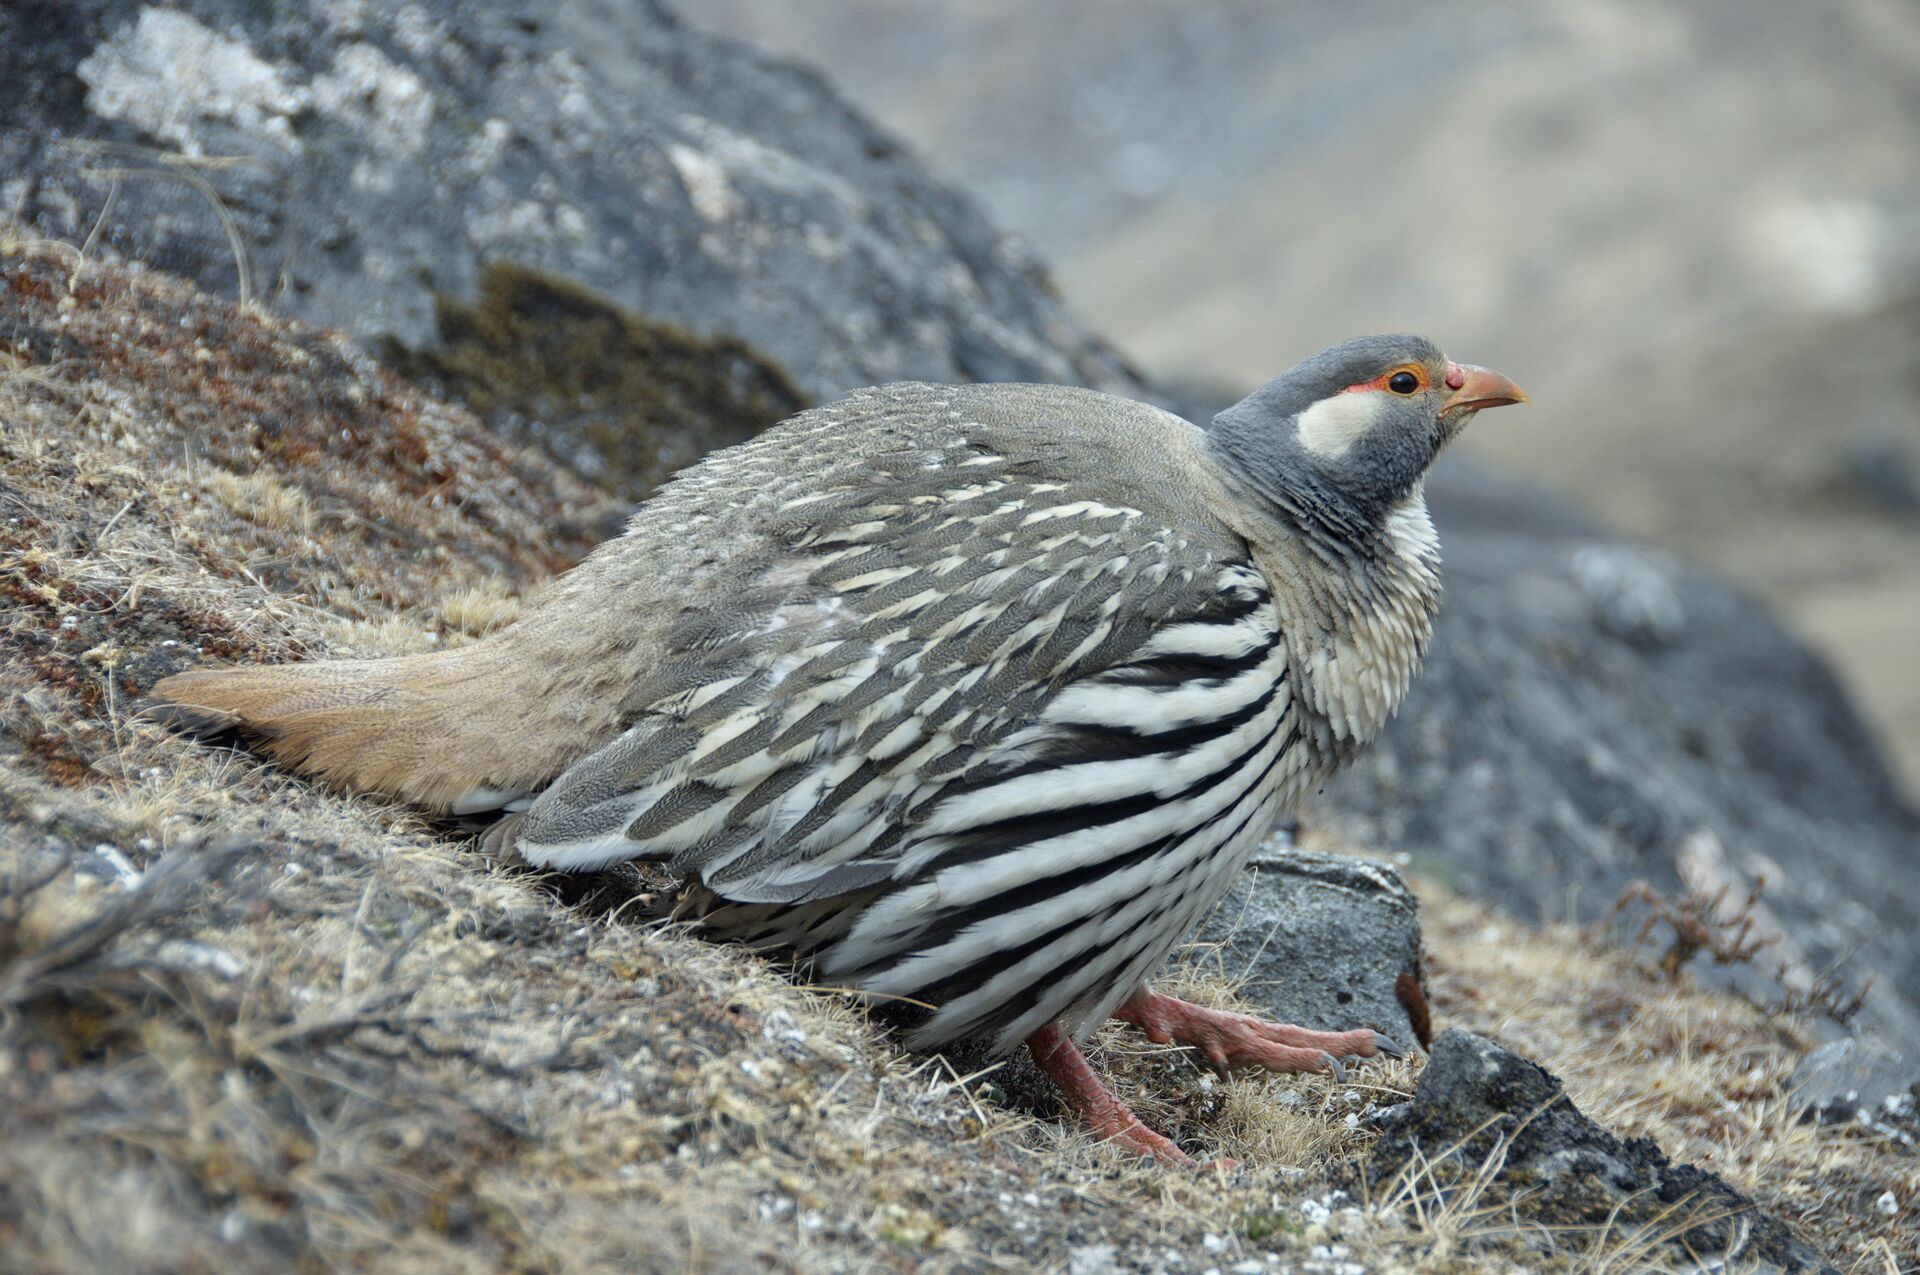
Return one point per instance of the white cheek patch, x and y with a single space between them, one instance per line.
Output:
1332 426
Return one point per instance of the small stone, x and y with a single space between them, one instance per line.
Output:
1887 1205
1845 1079
1327 942
1093 1259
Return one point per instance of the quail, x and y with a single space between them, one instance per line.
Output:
973 696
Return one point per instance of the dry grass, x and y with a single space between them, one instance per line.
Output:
260 1025
1701 1073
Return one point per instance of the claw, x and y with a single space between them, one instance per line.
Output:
1335 1066
1385 1044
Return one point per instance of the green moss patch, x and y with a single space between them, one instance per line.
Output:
622 399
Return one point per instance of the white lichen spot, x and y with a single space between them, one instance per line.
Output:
419 34
571 222
376 95
169 75
750 163
346 17
571 99
488 145
706 182
1093 1259
526 219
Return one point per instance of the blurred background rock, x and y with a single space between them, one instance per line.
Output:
1691 231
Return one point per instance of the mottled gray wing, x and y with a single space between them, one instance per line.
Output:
910 628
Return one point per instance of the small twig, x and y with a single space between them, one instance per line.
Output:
171 885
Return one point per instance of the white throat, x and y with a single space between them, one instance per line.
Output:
1363 632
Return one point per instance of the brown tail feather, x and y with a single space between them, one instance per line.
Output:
417 727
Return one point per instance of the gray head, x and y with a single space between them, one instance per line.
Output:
1344 438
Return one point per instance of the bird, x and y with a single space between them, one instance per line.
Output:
971 697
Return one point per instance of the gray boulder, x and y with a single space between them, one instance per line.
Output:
1477 1104
361 166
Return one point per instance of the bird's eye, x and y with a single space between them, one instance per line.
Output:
1403 382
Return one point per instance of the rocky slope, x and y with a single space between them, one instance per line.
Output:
247 1023
481 1069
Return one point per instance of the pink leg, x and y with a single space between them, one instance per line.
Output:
1237 1040
1110 1119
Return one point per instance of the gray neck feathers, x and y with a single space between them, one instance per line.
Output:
1254 443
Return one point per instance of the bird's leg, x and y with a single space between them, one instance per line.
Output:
1238 1040
1110 1119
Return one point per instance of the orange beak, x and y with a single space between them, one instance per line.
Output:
1477 387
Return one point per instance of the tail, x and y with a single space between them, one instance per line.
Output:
424 728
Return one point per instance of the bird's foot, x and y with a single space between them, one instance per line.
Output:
1110 1119
1228 1040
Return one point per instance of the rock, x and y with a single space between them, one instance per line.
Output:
1632 593
1324 941
373 160
1592 714
1858 1078
1880 469
1476 1104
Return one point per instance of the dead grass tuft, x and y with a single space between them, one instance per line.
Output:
1703 1073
